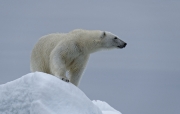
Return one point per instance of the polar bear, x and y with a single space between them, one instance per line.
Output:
59 53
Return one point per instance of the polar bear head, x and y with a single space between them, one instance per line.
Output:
94 40
110 40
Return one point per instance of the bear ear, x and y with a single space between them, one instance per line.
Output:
103 35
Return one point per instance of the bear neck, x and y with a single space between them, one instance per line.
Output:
91 46
91 49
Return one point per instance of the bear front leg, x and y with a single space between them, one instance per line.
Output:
58 67
76 70
61 73
75 76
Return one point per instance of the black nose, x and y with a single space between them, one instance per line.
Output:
124 44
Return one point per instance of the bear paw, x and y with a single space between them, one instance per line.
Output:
64 79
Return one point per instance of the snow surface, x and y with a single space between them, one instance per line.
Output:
40 93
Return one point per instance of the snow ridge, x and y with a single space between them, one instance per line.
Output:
40 93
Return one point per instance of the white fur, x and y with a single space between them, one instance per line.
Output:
61 52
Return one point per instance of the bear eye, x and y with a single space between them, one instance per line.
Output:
115 38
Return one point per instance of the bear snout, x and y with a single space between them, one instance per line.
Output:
122 46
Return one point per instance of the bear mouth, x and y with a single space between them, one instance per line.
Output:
120 47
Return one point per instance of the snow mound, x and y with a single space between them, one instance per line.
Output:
40 93
105 108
